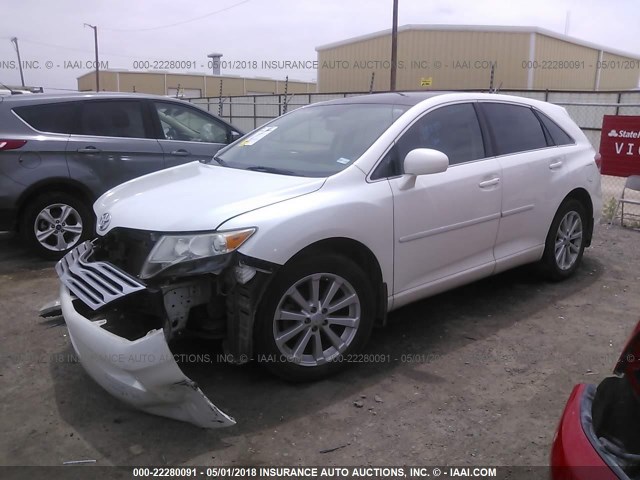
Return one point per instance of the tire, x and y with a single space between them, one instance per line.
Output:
334 276
62 221
565 241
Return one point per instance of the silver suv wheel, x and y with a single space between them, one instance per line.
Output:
58 227
316 319
55 222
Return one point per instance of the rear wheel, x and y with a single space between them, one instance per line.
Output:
56 222
317 311
565 241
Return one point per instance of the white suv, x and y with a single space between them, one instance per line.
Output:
294 241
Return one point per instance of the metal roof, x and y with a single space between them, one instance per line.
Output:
480 28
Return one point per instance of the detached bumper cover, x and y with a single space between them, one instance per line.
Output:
142 373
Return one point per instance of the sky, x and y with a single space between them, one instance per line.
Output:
56 46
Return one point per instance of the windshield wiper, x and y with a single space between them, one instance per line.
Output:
216 159
279 171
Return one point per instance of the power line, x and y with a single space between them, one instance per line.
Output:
82 50
63 47
85 50
176 23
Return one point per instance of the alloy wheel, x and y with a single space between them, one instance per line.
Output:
568 240
58 227
317 319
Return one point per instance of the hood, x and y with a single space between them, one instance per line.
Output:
194 197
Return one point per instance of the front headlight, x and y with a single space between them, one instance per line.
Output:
173 249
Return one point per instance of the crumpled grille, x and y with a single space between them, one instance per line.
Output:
96 283
126 248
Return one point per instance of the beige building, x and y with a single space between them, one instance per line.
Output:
189 85
460 57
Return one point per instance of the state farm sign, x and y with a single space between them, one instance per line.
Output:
620 145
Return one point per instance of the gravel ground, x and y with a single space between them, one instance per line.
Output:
476 376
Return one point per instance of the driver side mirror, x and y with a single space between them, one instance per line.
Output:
425 161
233 136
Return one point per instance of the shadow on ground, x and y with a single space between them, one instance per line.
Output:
15 256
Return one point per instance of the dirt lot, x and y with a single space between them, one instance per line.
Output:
476 376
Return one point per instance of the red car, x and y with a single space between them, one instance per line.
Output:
599 435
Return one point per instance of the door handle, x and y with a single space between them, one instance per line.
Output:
489 183
89 150
181 153
555 165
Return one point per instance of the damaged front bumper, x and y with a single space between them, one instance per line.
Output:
141 372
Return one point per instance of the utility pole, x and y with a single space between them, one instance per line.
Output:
95 38
394 46
15 41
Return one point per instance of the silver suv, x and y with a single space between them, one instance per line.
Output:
58 153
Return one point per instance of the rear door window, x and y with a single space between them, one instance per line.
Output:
115 118
515 128
50 117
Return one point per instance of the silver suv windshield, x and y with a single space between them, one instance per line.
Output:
317 141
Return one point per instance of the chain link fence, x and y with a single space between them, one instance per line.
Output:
586 108
248 112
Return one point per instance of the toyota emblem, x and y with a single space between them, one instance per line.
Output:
104 221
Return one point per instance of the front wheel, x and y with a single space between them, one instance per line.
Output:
317 312
565 241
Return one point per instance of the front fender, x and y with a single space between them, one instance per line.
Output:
346 208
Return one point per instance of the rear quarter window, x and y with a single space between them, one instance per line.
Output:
515 128
50 117
558 135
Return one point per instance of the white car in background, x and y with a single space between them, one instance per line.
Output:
291 243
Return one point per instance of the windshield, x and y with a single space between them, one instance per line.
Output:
316 141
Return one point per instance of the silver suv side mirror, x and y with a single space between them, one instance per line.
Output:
233 136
